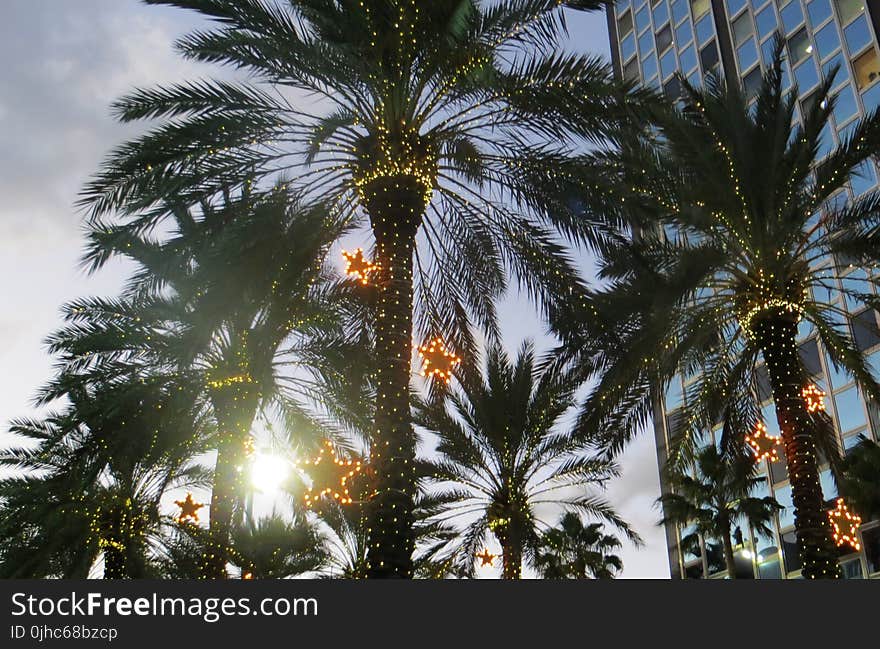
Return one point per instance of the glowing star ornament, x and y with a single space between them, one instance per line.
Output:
486 558
189 510
764 446
331 476
845 526
438 361
247 575
358 266
814 398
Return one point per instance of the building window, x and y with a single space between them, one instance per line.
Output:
792 16
790 552
819 11
646 44
668 64
627 47
852 569
747 55
867 69
857 35
688 59
733 6
849 9
660 13
699 7
742 28
850 413
806 75
684 33
649 67
799 47
705 29
865 330
625 24
865 178
672 89
664 38
709 58
871 542
679 10
827 40
643 19
631 70
766 21
836 62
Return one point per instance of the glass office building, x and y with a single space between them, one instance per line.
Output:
651 40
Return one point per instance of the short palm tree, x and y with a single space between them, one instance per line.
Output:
574 550
275 548
91 486
860 479
450 128
504 458
716 497
753 237
234 301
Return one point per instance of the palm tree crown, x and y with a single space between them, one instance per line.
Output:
574 550
503 457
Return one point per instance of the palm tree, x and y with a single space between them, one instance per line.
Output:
234 301
716 497
503 457
860 479
751 218
275 548
450 128
573 550
91 485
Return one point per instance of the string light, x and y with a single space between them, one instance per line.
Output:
358 266
845 526
438 361
763 445
189 510
486 558
331 476
814 398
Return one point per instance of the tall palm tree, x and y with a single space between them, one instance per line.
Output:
752 239
233 299
860 479
717 496
574 550
504 458
449 128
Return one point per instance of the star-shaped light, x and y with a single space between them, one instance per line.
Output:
437 360
486 558
764 446
331 476
358 266
814 398
845 526
189 509
247 575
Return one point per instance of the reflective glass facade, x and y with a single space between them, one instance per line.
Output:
650 41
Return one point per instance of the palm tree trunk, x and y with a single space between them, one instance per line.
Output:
114 563
511 552
395 206
777 338
234 410
729 560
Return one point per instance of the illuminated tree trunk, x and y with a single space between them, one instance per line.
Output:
114 563
395 206
511 551
777 337
234 411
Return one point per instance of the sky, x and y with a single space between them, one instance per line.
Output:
64 62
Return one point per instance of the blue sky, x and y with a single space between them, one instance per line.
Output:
63 63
